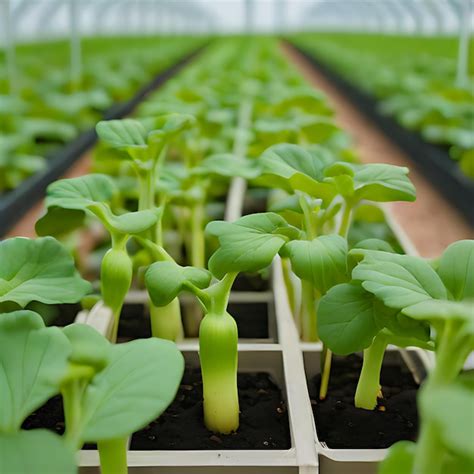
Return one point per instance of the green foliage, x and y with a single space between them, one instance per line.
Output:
165 280
38 270
33 361
248 244
36 451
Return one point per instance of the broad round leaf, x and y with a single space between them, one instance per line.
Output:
38 270
59 221
456 269
80 193
35 452
347 319
228 165
138 384
291 167
33 360
248 244
398 280
122 133
321 261
165 280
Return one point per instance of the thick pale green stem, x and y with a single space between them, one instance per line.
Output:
113 456
368 386
116 279
218 354
166 321
309 330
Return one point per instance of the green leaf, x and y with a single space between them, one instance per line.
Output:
439 310
400 459
291 167
456 269
451 409
33 360
398 280
80 193
372 182
138 384
321 261
89 347
130 222
165 280
248 244
347 318
122 133
35 452
227 165
38 270
58 221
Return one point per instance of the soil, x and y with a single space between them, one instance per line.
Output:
340 425
251 318
263 419
51 417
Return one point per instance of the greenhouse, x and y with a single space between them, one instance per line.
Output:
236 237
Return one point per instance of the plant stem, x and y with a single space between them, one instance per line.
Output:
166 321
198 245
113 456
290 290
326 372
346 220
368 386
218 355
308 318
72 394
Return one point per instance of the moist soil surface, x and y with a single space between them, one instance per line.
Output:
51 417
251 318
340 425
263 419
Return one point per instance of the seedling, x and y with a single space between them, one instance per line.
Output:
441 294
109 391
144 144
325 192
69 200
247 245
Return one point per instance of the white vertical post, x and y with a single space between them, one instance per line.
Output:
10 53
75 45
463 51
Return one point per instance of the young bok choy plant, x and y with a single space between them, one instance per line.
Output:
440 294
108 390
144 143
69 200
247 245
323 194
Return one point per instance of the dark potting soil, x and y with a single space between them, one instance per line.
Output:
51 417
340 425
263 419
251 318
